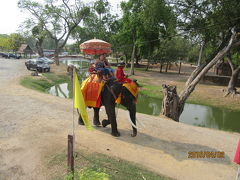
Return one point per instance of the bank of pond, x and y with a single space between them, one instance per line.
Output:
193 114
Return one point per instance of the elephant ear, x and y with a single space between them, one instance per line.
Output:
116 87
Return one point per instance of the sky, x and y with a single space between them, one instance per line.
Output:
11 16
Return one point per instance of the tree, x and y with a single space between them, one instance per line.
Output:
4 42
174 50
143 25
98 24
15 41
101 7
233 58
216 22
11 42
59 18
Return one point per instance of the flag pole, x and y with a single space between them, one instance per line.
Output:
71 138
73 125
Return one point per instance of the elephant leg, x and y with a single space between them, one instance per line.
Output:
132 112
105 122
80 121
96 121
110 110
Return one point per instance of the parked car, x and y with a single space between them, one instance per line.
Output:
37 65
14 56
5 55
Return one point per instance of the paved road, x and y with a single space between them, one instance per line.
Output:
34 125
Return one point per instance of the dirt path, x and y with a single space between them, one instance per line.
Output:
33 124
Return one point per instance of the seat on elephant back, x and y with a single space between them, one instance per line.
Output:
93 85
91 89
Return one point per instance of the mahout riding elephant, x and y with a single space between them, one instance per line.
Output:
110 92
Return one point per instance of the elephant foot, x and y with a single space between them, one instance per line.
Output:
134 134
105 122
115 134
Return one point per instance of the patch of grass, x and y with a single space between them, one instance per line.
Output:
36 84
150 90
43 83
56 79
99 166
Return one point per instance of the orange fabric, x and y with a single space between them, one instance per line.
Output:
118 100
91 89
132 87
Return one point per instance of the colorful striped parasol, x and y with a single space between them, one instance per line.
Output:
95 47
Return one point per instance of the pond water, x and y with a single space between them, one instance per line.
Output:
193 114
197 115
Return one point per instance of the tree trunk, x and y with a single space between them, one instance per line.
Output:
195 73
132 60
117 58
56 56
170 105
169 66
161 66
180 66
173 105
231 89
148 64
166 68
137 60
39 47
126 59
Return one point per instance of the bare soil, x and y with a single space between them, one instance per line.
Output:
34 125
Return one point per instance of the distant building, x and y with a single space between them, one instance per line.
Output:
25 50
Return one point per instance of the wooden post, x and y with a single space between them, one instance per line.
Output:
70 162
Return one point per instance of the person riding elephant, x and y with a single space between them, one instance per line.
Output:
120 75
112 89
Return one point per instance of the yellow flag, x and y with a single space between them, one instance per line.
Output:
79 102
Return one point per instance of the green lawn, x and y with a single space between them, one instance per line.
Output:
96 166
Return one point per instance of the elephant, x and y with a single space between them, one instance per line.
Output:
110 92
